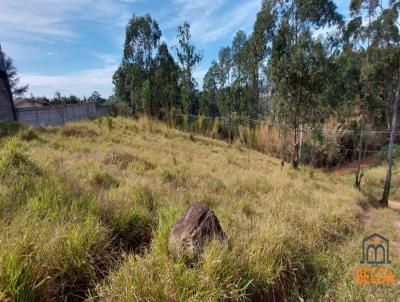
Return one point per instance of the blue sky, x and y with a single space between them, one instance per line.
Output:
75 46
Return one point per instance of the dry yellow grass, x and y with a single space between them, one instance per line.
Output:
110 190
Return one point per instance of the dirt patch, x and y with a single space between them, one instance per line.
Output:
365 163
394 205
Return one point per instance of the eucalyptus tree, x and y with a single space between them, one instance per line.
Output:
259 50
372 39
7 65
224 77
188 58
384 66
142 39
296 62
209 98
238 60
145 95
166 76
239 74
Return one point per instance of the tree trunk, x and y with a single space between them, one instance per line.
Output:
386 189
295 162
359 173
301 142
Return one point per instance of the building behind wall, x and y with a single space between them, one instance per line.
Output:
6 104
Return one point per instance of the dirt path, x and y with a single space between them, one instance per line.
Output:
366 162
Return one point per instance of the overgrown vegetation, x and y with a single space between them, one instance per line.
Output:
282 72
79 219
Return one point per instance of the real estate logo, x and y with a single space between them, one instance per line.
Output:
375 260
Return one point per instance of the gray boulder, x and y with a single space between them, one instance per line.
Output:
190 233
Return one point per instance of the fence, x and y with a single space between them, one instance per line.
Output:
319 147
59 114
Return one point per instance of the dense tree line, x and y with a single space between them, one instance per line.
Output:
72 99
149 79
350 72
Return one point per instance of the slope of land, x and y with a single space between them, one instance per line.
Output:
86 209
339 263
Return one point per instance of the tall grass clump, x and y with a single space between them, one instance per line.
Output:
19 176
105 180
201 124
52 247
72 130
14 162
215 129
9 128
52 261
131 218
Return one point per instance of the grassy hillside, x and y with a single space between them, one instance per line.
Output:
86 209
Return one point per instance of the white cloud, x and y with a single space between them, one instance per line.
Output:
81 83
213 19
239 17
108 59
28 27
44 18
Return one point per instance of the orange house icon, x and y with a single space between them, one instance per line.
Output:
375 250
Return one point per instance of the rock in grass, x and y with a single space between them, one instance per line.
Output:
190 233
